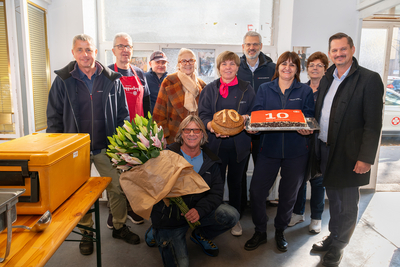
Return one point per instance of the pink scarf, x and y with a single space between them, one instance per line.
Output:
223 89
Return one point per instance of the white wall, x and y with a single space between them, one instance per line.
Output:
314 21
64 21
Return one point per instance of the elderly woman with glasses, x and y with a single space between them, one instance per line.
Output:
286 151
169 225
178 95
317 65
229 92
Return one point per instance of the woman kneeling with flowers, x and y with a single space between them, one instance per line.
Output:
169 225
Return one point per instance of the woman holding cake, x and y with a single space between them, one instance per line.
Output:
228 92
284 150
178 95
317 65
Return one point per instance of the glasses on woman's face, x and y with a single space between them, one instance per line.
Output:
190 61
188 131
319 65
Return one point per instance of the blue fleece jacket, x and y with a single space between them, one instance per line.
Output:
285 144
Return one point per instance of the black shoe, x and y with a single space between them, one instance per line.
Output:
125 234
332 257
257 239
281 242
136 219
209 248
86 244
324 244
110 224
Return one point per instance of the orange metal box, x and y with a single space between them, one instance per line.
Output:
50 167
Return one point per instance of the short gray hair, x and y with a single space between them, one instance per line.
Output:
83 37
252 33
123 35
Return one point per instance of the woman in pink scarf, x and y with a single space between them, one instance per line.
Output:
228 92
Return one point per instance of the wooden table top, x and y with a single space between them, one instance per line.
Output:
35 249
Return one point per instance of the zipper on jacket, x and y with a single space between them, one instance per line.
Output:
252 80
237 155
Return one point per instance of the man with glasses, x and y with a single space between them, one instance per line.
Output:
136 91
133 79
215 217
156 75
256 68
87 97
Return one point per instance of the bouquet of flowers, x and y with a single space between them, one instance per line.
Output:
145 182
135 144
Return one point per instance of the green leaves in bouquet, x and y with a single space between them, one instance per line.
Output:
135 142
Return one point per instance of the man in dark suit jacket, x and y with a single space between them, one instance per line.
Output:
349 110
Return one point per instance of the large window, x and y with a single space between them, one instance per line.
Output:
6 107
194 22
39 63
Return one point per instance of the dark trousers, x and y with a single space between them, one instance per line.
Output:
317 201
234 177
343 206
255 147
265 172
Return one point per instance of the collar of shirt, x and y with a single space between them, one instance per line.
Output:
82 75
255 66
335 74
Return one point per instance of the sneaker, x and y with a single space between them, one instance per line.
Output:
110 224
136 219
125 234
207 245
237 229
86 244
315 226
149 238
296 218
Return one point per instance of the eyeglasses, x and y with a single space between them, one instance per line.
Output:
252 44
190 61
319 65
122 47
291 65
188 131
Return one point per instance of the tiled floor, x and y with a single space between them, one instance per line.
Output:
375 242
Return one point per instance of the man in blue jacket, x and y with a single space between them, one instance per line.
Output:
256 68
156 75
87 97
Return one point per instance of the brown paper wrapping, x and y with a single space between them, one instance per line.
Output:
168 175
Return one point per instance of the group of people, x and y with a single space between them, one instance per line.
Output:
345 99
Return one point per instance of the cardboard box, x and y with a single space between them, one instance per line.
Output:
50 167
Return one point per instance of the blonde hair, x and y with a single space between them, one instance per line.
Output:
185 122
186 51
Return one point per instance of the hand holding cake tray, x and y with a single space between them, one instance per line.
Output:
280 120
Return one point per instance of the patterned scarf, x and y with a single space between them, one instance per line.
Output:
224 88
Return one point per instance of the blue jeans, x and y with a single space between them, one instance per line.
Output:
172 242
317 201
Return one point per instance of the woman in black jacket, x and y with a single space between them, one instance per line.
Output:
229 92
